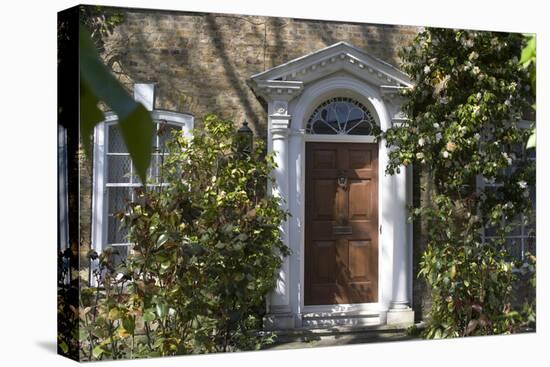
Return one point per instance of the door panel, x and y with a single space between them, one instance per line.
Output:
341 249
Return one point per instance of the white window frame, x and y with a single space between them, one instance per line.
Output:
99 204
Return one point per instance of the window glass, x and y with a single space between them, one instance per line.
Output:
343 116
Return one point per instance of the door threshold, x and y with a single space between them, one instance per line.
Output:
352 309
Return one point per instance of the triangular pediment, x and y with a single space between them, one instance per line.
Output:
339 57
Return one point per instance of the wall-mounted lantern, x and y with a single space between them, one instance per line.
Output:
245 138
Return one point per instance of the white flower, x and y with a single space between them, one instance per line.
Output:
476 70
426 69
436 125
508 159
445 154
508 205
469 43
476 136
522 184
507 102
420 156
474 55
476 111
450 146
478 96
421 142
438 137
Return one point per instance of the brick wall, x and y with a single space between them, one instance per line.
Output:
201 61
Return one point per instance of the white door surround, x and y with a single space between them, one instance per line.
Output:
293 91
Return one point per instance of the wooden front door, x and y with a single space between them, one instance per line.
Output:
341 235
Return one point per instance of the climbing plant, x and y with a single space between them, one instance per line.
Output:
469 94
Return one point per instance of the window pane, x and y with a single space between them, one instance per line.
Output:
119 254
340 116
116 143
513 245
118 197
530 245
118 168
115 233
166 132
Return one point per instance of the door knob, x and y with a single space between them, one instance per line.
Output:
343 180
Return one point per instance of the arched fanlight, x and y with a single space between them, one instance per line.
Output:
341 116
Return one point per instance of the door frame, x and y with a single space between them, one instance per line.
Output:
350 308
286 137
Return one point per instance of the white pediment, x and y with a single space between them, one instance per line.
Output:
288 79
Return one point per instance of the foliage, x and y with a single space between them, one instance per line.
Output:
528 61
67 307
100 21
469 94
206 249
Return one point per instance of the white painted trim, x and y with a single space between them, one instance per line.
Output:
313 96
99 197
340 138
340 70
340 55
344 309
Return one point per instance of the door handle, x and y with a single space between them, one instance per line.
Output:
380 229
343 180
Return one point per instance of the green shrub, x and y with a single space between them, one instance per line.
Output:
469 94
206 250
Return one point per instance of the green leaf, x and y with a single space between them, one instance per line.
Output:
532 142
134 120
83 334
64 347
97 351
114 314
528 54
161 309
163 238
129 324
149 315
90 115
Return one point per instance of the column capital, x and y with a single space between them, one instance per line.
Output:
279 119
280 128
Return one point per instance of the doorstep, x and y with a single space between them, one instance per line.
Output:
307 337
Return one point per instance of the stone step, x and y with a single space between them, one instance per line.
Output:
355 332
328 320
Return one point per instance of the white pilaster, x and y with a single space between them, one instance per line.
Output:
400 311
278 131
